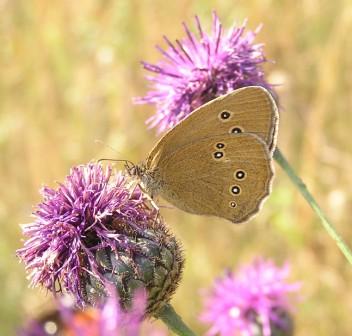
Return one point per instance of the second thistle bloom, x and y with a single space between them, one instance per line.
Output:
253 302
106 319
96 229
196 70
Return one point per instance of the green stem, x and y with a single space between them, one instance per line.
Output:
174 322
314 205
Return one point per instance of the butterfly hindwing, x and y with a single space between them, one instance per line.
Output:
226 176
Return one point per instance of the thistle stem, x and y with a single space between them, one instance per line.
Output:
173 321
281 160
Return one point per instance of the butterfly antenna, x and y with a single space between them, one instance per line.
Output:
129 165
108 146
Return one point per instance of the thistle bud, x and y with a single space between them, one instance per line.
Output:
148 258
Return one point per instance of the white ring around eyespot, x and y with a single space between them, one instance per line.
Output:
235 186
240 179
225 119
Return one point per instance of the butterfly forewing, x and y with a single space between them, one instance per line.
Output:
227 176
250 109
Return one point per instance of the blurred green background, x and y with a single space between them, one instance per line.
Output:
68 72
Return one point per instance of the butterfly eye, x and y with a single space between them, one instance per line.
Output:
224 115
236 190
218 155
220 145
233 204
236 130
240 174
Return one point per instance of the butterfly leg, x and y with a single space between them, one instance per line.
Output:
150 198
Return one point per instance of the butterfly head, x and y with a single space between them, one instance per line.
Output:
149 179
135 170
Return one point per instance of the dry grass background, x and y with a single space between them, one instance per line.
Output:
68 71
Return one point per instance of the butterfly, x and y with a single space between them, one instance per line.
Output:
218 161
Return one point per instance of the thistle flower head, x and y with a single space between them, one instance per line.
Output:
195 70
98 228
252 302
106 319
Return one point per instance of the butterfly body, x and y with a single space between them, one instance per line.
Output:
150 178
218 160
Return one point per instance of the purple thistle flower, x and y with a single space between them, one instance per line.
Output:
98 228
253 302
106 319
194 71
36 328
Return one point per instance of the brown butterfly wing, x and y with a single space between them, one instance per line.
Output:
226 176
250 109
